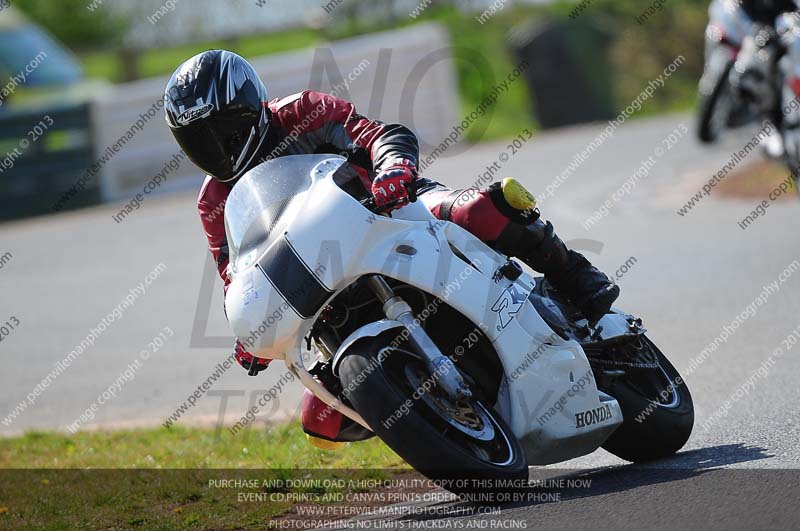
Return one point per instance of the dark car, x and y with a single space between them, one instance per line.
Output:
35 69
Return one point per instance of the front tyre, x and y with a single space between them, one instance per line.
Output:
715 105
459 443
656 405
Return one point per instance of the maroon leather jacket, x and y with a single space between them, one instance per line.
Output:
306 123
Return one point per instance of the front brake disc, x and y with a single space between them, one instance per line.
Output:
467 416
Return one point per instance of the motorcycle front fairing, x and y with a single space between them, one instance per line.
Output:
321 240
263 270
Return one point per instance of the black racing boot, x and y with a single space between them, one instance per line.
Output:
568 271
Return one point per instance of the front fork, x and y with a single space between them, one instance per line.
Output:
444 370
718 56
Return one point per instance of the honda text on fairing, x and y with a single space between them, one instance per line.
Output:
450 352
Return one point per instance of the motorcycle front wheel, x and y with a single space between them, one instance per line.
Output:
715 106
457 444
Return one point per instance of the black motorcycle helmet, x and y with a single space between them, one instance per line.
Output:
216 109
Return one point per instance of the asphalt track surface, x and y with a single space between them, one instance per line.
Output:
693 275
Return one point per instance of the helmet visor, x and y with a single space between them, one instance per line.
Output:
205 146
222 148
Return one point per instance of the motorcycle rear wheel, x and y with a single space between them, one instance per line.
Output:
657 408
381 385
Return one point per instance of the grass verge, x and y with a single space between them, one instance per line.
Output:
757 180
173 478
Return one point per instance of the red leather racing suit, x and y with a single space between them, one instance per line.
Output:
306 123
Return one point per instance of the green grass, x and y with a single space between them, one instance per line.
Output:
482 59
281 446
512 112
107 64
159 478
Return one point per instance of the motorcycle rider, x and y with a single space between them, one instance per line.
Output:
219 113
770 33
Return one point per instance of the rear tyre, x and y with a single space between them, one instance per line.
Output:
657 408
456 444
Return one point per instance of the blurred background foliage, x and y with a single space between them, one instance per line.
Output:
638 52
641 51
74 24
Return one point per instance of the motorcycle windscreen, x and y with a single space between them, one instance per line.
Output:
255 208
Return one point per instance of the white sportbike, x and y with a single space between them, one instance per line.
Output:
451 353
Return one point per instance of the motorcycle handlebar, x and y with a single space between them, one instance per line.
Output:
412 188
